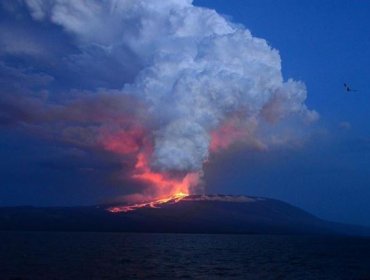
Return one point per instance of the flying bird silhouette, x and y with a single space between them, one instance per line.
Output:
347 88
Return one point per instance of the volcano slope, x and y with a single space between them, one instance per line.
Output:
191 214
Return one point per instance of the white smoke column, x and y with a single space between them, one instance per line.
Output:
197 70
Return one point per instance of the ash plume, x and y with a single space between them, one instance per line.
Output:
197 83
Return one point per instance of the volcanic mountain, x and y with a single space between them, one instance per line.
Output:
178 214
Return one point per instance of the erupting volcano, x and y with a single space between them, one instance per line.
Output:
186 83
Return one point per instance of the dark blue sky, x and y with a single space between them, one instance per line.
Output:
322 43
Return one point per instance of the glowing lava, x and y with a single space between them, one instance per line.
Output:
152 204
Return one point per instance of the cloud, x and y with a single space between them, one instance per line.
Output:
166 79
16 41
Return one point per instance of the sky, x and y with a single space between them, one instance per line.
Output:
68 134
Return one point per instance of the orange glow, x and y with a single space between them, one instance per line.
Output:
163 187
166 189
166 186
125 141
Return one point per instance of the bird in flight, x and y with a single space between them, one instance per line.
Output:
347 88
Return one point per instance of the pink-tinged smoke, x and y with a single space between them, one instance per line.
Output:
201 84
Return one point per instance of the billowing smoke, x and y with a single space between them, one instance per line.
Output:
199 82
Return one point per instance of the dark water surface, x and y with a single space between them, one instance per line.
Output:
42 255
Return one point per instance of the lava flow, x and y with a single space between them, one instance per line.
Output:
152 204
167 189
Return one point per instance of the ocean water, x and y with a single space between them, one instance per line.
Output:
43 255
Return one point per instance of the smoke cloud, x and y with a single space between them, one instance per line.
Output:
193 83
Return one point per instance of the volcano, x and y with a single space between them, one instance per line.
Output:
178 214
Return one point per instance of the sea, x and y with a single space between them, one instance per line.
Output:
59 255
